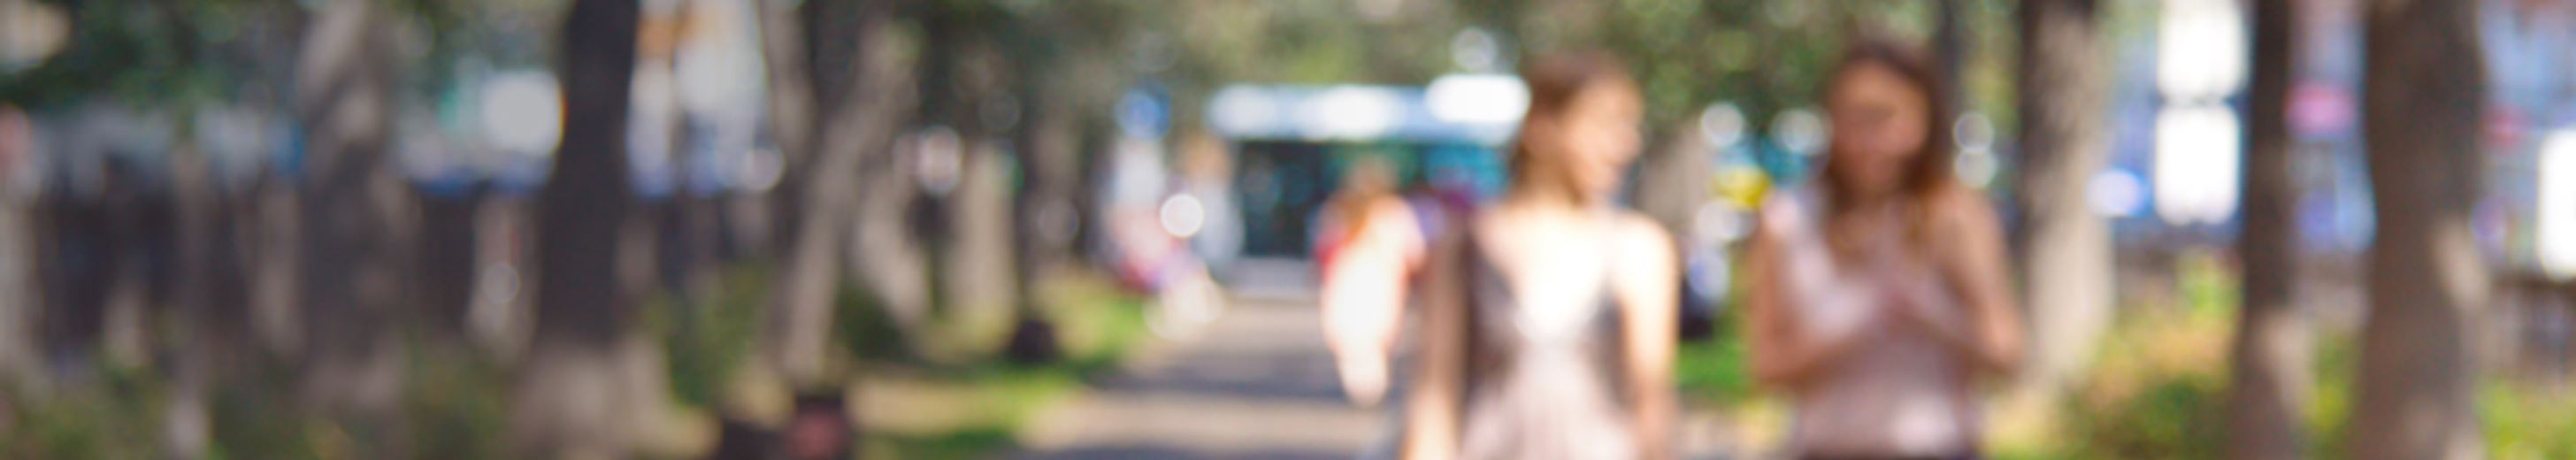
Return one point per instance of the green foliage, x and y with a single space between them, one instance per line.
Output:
1718 369
2329 419
454 403
961 444
2158 391
2526 423
248 422
93 421
2517 420
159 53
707 342
2176 416
867 332
2208 287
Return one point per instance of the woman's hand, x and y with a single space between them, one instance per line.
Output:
1915 293
1965 242
1803 311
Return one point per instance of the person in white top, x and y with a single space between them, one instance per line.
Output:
1368 252
1878 297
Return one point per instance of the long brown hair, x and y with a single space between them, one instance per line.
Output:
1930 171
1554 81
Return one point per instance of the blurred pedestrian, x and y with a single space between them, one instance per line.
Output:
1368 249
1548 324
1878 297
1207 173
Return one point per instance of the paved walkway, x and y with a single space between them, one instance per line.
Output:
1256 383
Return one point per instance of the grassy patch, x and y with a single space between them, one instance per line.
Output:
919 408
1718 370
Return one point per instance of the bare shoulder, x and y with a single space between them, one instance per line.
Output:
1643 239
1964 209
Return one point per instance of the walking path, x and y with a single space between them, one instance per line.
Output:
1255 383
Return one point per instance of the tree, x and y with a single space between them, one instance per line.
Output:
2065 248
18 252
835 156
570 402
2270 377
351 262
2422 106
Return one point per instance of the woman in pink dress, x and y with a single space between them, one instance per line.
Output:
1878 297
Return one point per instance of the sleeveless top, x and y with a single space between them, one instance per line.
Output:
1898 390
1542 381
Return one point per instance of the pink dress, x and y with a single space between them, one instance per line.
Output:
1897 391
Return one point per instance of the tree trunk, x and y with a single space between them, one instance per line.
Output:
2270 377
18 284
20 256
2065 249
825 162
352 269
1041 236
976 279
2422 107
206 286
570 402
448 265
586 198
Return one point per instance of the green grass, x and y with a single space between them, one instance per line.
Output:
1717 370
961 444
1096 325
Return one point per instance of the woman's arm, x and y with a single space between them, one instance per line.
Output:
1650 302
1431 411
1784 352
1969 251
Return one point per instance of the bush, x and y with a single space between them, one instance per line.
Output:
2159 390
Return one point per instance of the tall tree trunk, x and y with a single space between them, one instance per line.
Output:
2065 249
20 256
976 279
2421 110
570 401
586 197
2270 387
353 203
198 302
826 160
18 284
1040 236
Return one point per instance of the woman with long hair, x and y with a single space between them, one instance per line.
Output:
1548 321
1878 297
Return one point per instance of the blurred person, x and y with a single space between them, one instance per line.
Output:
1878 296
1548 319
1367 249
1207 173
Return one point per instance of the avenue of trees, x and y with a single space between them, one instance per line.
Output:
349 255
